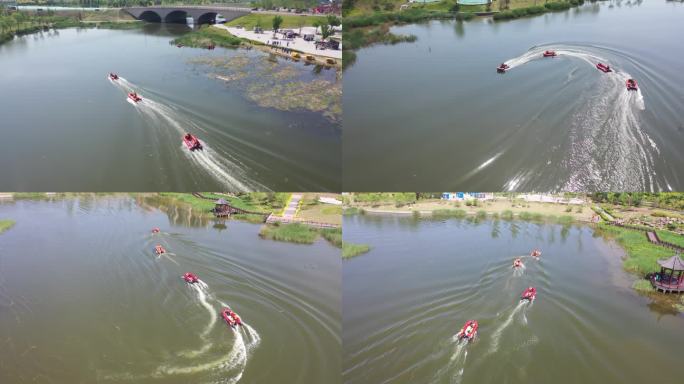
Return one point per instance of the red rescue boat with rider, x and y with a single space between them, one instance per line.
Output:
468 331
604 67
133 96
192 142
190 278
631 85
529 294
231 317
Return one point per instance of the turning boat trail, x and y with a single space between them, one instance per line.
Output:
227 170
608 148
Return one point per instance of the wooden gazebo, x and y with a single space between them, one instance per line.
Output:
671 275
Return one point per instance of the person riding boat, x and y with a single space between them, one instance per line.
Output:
517 263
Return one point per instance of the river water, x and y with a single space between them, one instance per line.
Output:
84 299
405 300
436 113
66 127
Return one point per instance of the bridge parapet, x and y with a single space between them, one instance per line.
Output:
170 14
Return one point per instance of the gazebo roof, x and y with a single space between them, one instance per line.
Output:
221 202
674 263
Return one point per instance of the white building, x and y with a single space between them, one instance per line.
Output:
462 196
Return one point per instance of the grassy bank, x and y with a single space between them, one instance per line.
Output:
207 36
24 23
368 22
6 224
350 250
265 21
300 233
641 254
255 201
537 9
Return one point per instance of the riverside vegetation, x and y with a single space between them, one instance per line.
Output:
18 23
368 22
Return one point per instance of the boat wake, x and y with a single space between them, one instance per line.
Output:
228 368
496 335
456 366
607 147
227 171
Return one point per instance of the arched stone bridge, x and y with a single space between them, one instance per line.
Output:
200 15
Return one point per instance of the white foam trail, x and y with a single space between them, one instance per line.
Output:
456 362
222 169
201 294
496 336
233 364
608 148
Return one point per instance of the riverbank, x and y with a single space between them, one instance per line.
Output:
301 233
506 209
24 23
232 37
272 203
367 24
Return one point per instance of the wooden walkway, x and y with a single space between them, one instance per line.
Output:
652 236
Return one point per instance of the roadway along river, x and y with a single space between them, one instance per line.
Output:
436 113
405 300
84 299
66 127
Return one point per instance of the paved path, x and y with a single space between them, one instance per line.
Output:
291 209
298 44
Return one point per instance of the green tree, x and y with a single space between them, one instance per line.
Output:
326 30
277 22
334 21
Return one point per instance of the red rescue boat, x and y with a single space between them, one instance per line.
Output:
536 253
529 294
603 67
190 278
113 76
517 263
155 230
549 54
503 67
133 96
159 250
468 331
632 85
231 317
191 142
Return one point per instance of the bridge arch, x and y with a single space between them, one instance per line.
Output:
150 16
177 16
207 18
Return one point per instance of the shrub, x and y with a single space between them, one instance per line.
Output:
350 250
